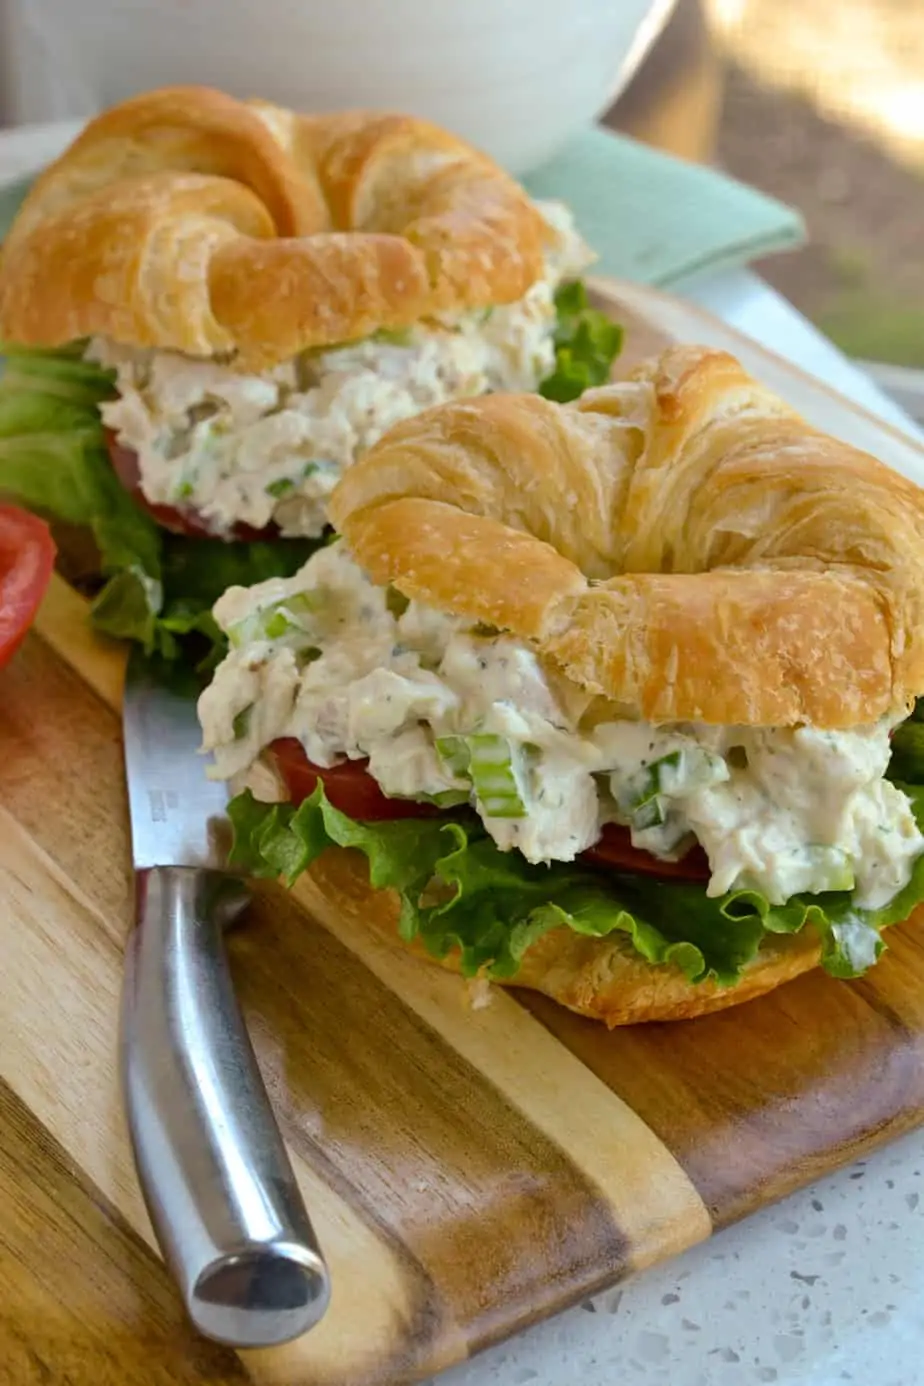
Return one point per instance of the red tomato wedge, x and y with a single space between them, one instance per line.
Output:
615 849
27 556
348 786
179 520
352 790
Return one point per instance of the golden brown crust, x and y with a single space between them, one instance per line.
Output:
308 230
604 979
518 575
681 542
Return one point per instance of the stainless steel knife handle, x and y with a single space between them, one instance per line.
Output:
217 1181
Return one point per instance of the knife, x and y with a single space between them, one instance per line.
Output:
217 1182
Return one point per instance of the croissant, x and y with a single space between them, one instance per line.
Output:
184 219
682 544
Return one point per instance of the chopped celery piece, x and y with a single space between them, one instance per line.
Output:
278 624
493 768
396 601
453 752
648 815
303 603
446 798
651 781
244 632
241 633
241 723
831 869
280 488
644 802
275 621
680 771
399 336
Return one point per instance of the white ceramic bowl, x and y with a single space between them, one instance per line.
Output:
516 77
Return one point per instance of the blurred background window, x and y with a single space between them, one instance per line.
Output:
820 102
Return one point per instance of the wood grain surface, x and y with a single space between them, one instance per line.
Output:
468 1172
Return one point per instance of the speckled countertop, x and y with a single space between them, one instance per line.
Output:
822 1288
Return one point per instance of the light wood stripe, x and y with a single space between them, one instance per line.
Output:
58 1057
556 1092
63 622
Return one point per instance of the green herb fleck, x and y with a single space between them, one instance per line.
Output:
280 488
396 601
241 723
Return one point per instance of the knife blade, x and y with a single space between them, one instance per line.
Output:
177 813
216 1179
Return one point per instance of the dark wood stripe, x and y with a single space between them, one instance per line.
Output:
83 1302
491 1212
758 1101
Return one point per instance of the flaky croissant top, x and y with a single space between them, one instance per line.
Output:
682 543
185 219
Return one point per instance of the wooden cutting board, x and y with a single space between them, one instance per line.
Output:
468 1172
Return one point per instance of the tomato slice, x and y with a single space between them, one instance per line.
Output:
350 788
178 519
27 556
615 849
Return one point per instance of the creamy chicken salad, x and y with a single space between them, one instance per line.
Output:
256 449
453 714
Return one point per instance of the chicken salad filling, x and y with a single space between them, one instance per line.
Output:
449 713
268 448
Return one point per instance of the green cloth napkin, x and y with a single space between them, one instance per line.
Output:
656 219
11 195
650 217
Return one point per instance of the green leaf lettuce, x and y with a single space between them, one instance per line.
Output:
160 587
458 890
586 344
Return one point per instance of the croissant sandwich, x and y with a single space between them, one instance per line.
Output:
244 299
616 699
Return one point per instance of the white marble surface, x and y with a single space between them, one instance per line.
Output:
821 1289
824 1287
